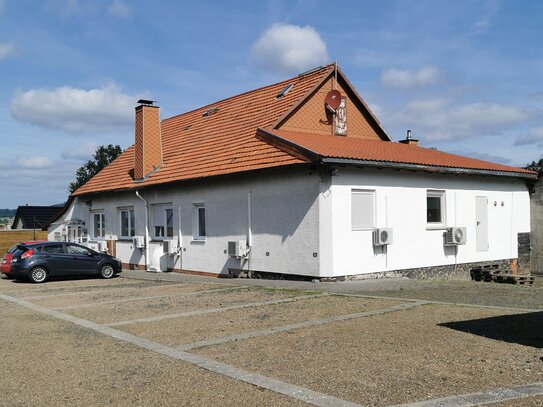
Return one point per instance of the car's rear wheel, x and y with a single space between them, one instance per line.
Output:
106 271
38 274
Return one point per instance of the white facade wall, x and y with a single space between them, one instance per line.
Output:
401 204
285 222
301 222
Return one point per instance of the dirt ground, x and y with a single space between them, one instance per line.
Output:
383 357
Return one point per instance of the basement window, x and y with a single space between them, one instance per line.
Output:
362 209
435 208
284 91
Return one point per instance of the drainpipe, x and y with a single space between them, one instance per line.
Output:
249 230
146 253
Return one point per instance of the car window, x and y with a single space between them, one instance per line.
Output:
52 248
19 250
72 249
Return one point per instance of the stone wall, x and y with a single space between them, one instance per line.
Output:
445 272
536 221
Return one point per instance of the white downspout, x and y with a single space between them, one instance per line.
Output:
146 253
249 230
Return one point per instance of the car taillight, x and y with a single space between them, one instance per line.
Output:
27 254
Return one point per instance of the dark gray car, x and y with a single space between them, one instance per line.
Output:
39 261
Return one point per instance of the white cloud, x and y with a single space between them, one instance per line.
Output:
83 151
35 163
435 119
7 50
74 110
399 78
117 8
484 23
533 136
290 48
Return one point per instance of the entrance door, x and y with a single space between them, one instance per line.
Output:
74 234
481 217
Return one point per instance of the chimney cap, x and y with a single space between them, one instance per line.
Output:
146 102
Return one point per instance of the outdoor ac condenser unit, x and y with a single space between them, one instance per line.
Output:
455 236
138 242
102 246
382 236
168 247
93 245
237 248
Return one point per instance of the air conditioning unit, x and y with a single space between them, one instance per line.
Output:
382 236
102 246
168 247
138 242
93 244
237 248
455 236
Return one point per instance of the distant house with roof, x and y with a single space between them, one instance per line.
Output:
33 217
298 177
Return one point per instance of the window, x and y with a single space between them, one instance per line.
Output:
128 225
99 224
199 222
52 248
162 221
73 249
362 209
435 208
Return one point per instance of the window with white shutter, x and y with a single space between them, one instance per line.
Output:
362 209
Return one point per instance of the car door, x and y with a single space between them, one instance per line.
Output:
56 259
83 260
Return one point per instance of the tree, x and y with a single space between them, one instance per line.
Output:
100 159
536 166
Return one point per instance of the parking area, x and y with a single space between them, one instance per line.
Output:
171 339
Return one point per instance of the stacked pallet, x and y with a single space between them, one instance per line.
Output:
493 273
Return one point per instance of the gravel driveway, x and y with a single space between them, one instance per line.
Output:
266 343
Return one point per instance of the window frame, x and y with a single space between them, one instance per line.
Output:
131 227
370 192
101 228
441 194
164 208
197 235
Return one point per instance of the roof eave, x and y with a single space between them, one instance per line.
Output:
423 167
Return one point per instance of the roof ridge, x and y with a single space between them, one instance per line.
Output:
321 69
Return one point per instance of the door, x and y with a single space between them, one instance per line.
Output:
57 261
83 261
481 228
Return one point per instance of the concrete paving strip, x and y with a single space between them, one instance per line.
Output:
482 398
37 287
101 291
151 297
291 390
460 304
214 310
299 325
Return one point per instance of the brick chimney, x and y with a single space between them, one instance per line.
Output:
409 140
148 154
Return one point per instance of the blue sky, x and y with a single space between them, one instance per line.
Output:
465 76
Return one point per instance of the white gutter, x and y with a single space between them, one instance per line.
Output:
146 253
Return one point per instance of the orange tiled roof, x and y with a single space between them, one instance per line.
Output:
379 151
224 142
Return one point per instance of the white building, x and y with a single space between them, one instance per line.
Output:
297 178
